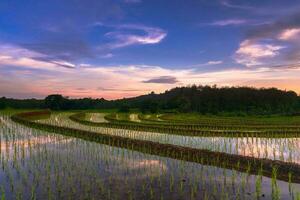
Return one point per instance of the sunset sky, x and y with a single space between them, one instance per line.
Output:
123 48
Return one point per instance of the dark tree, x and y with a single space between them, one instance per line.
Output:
214 100
201 99
2 103
124 108
149 106
56 102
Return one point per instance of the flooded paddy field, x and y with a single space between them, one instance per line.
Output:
37 164
283 149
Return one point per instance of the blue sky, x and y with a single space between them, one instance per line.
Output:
122 48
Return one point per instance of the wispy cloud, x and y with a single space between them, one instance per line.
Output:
122 36
162 79
229 4
63 64
290 34
132 1
108 55
121 90
67 45
287 66
228 22
211 62
11 55
214 62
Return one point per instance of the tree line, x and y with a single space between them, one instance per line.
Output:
201 99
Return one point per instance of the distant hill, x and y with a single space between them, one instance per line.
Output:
202 99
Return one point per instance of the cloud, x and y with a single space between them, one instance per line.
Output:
214 62
108 55
251 53
290 34
65 49
272 30
95 24
162 79
27 77
60 32
229 22
63 64
11 55
123 37
228 4
285 30
236 22
132 1
211 62
81 89
117 81
287 66
65 46
118 89
66 32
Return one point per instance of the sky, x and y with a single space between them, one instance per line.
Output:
123 48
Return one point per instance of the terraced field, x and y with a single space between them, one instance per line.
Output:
136 156
277 148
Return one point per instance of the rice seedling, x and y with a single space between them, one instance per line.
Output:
103 163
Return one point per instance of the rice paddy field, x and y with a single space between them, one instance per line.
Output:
99 155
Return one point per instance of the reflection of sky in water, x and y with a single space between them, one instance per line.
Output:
143 167
134 117
80 167
29 139
29 142
25 143
96 117
284 149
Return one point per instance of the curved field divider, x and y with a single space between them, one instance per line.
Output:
249 165
185 130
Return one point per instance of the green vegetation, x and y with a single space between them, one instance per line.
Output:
56 102
124 108
238 101
2 105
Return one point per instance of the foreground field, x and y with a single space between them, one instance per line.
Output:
118 163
